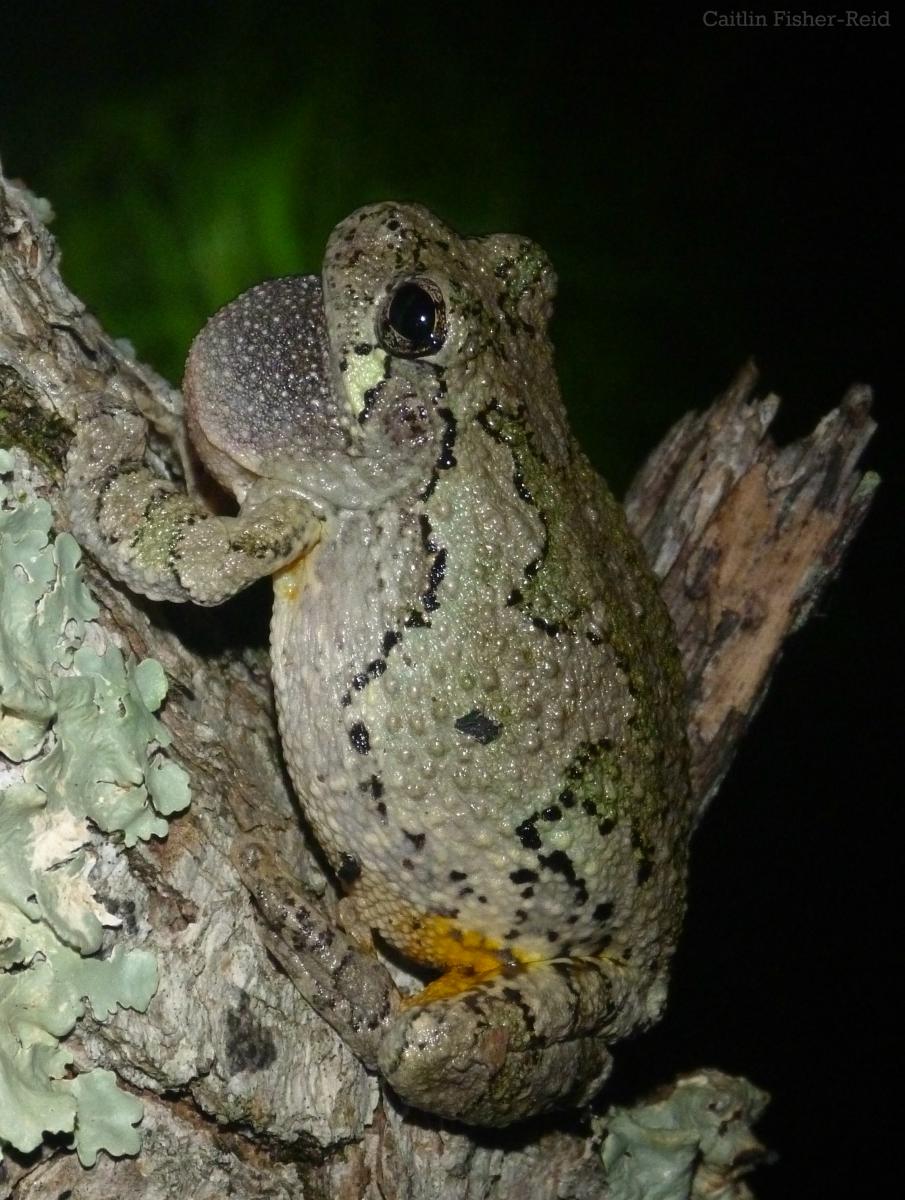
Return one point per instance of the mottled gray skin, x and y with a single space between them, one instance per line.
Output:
478 687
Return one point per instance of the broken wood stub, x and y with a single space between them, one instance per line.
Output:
744 537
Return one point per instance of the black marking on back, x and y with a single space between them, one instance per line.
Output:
349 868
371 397
416 620
530 569
478 725
587 754
645 860
360 738
373 670
551 628
560 863
427 534
446 458
435 578
527 833
377 666
374 785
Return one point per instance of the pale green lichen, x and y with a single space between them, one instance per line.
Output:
81 721
691 1142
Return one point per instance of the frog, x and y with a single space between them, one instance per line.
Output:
479 693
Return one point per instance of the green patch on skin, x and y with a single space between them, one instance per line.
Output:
562 587
44 436
594 778
94 756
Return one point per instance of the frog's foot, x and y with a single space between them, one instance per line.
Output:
346 986
516 1042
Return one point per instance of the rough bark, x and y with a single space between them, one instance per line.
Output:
745 536
245 1089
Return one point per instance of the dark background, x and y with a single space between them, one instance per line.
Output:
706 195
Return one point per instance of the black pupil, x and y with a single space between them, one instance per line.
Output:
413 314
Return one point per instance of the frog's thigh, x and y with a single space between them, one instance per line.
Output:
513 1044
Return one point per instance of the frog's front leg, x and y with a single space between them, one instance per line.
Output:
161 541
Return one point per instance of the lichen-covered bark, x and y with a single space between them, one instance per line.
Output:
245 1089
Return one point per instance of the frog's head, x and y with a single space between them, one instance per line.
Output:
349 389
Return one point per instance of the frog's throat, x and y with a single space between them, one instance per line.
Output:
466 956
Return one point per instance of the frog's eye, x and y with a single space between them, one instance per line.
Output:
412 322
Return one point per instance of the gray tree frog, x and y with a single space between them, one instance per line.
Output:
478 687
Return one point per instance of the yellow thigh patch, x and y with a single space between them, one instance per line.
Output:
466 956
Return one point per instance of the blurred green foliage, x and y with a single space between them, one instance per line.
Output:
192 150
209 200
185 173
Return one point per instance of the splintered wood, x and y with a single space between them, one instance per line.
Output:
744 537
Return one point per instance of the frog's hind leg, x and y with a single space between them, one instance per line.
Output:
347 986
515 1043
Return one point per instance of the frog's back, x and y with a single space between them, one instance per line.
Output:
489 735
